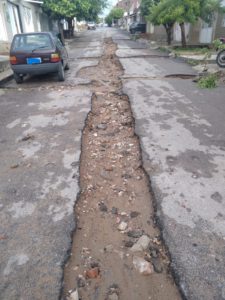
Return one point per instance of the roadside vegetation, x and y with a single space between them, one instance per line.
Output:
208 82
169 12
69 9
114 15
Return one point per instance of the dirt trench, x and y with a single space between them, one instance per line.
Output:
115 205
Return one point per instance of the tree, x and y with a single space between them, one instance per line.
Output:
185 11
69 9
146 6
95 8
115 14
162 14
208 8
168 12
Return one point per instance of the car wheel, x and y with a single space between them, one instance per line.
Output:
61 73
67 67
18 78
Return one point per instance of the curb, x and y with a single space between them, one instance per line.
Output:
6 79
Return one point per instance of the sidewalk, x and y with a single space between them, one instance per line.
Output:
5 70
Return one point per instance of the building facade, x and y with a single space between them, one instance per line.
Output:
18 16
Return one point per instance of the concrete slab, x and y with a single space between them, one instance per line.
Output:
121 53
91 53
83 44
153 67
40 136
127 44
181 129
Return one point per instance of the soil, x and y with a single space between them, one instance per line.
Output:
115 205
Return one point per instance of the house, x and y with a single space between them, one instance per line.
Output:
18 16
132 12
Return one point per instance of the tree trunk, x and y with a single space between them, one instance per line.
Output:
183 36
71 27
169 32
61 35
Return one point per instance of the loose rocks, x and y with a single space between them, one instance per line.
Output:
142 266
122 226
92 273
142 244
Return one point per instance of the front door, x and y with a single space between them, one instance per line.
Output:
14 16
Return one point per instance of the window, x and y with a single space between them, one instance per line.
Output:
32 41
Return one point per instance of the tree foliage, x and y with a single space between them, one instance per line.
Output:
116 13
208 9
162 14
146 6
81 9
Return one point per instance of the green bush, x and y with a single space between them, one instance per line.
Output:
208 81
218 45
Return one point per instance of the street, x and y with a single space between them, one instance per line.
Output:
127 148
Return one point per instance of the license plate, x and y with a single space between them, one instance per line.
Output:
33 60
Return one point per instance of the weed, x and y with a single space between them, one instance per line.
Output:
218 45
192 62
191 50
208 81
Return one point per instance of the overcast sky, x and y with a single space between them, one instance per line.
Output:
111 4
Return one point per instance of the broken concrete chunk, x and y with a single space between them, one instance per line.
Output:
122 226
142 244
74 296
113 296
81 281
142 266
135 233
157 265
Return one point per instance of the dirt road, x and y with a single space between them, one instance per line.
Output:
117 251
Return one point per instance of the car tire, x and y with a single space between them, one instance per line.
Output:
61 73
67 67
18 78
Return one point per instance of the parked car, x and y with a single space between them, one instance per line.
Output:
38 53
91 26
137 27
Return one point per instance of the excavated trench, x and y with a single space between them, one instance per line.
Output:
115 206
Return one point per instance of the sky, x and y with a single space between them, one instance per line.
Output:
111 4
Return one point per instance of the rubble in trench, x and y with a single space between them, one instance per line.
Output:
117 252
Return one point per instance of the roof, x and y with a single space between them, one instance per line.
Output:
34 1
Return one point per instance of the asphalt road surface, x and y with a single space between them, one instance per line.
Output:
182 134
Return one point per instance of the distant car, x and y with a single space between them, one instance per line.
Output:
91 26
38 53
137 27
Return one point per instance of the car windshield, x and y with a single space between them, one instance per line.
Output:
32 42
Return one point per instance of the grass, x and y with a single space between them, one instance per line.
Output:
192 62
208 81
191 51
